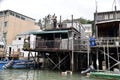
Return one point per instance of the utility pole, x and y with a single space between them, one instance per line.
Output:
96 29
72 60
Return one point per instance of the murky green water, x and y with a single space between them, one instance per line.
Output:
39 75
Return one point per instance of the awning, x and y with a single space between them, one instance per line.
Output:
50 32
44 32
108 21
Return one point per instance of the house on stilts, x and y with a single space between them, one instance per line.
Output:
61 48
105 46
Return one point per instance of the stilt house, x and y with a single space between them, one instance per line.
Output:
57 47
106 44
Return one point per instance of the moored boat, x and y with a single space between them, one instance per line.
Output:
2 63
17 64
23 64
105 75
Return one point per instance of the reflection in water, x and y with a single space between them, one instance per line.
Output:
38 75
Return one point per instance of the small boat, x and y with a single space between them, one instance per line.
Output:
23 64
17 64
2 63
105 75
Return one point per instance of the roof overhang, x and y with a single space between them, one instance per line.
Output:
50 32
108 21
35 32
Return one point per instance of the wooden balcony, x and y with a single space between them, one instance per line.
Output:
107 42
49 45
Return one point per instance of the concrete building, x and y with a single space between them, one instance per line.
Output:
13 23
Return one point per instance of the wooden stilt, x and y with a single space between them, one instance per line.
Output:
108 56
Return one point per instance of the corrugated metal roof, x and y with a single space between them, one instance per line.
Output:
48 32
43 32
108 21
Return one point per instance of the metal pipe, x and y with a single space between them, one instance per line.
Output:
72 21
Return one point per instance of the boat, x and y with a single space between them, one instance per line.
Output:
5 63
105 75
2 63
23 64
17 64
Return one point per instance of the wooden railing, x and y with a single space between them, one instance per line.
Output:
81 44
63 44
78 45
110 41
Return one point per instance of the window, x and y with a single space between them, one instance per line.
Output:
17 16
1 13
99 17
5 24
118 15
4 36
1 46
11 13
111 16
106 16
19 38
22 18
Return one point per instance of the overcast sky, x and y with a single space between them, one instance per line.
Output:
38 9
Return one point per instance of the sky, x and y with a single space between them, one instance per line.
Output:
38 9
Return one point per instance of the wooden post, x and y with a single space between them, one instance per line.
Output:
108 56
96 31
119 32
104 66
72 60
68 46
29 55
88 51
38 60
44 61
72 21
97 61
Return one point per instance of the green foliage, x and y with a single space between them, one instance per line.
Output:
26 45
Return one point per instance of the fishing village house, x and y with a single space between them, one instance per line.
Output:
13 23
60 47
54 45
106 44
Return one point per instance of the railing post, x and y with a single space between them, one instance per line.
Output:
88 51
108 55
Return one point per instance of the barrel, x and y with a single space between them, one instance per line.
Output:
92 42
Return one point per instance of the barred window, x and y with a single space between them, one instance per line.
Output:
5 23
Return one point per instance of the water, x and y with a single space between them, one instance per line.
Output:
39 75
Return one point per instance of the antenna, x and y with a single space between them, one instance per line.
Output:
114 5
96 4
95 33
115 9
96 11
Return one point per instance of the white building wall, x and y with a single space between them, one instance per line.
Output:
19 42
